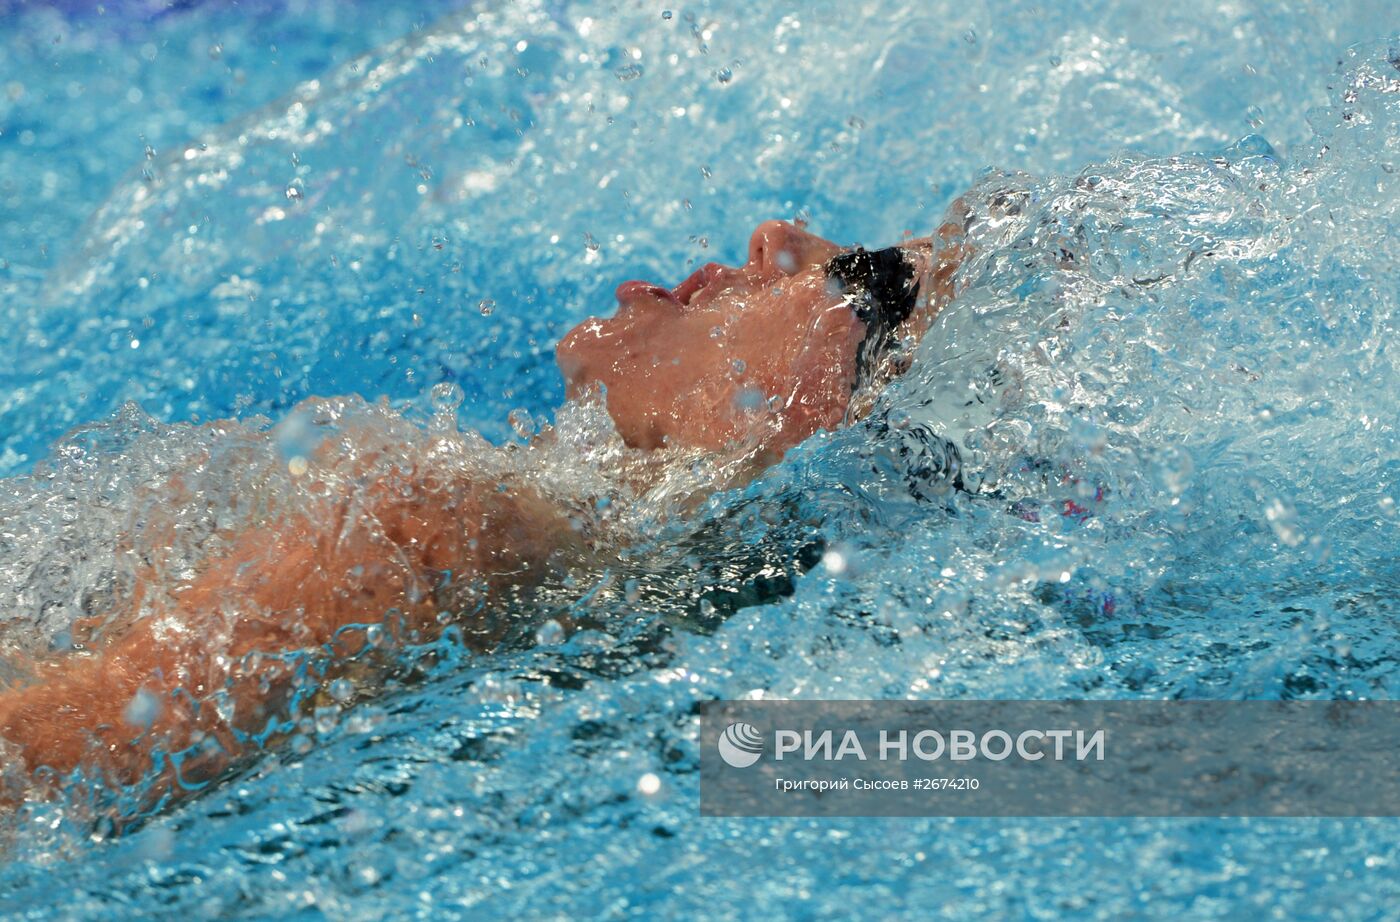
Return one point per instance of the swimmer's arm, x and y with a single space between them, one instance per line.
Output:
202 677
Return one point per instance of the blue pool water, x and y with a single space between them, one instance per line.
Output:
1183 294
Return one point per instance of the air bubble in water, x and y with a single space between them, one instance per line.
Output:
724 75
486 306
342 690
294 191
666 14
550 633
326 718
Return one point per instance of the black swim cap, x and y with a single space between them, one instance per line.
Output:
883 288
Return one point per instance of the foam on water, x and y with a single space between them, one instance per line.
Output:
1168 379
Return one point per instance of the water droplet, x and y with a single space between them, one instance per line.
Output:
342 690
327 718
216 51
143 709
1318 550
294 191
628 72
750 400
550 633
1254 117
150 152
739 366
522 422
856 122
1283 517
446 397
724 75
364 720
486 306
666 14
1173 469
649 784
1055 60
835 562
297 436
705 171
970 36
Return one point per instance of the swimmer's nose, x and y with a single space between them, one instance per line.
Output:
783 247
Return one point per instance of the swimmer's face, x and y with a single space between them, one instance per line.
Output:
763 354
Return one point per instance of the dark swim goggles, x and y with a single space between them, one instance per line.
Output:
882 286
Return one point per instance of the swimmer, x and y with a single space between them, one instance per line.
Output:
187 680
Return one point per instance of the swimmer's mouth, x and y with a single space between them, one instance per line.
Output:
699 279
628 292
681 295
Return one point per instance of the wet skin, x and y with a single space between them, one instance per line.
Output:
759 355
753 358
763 351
